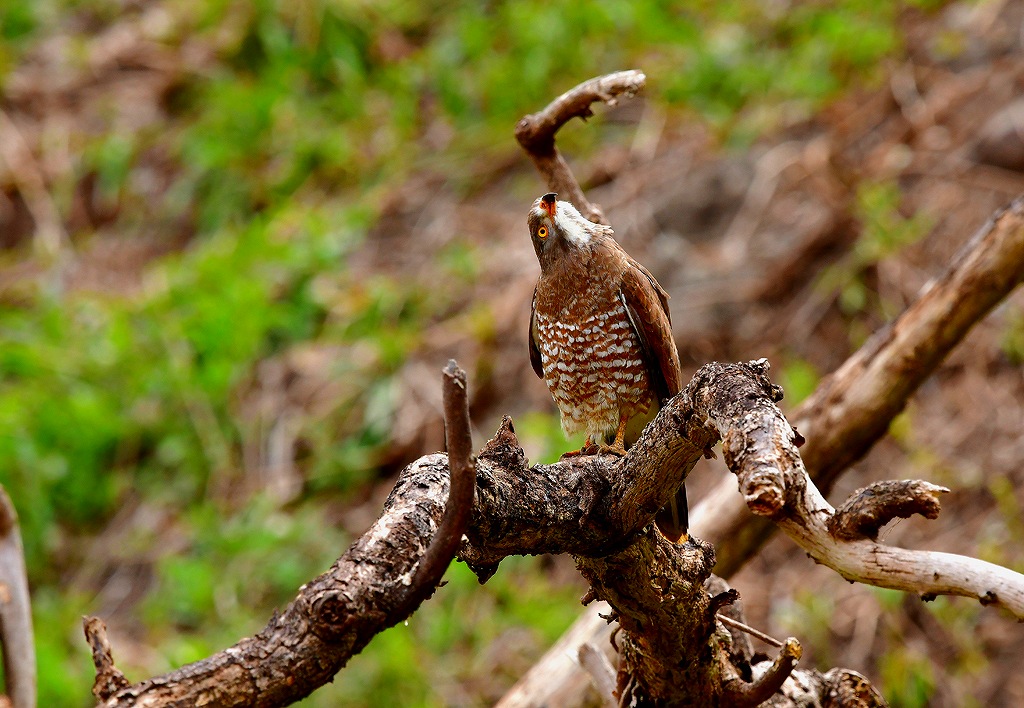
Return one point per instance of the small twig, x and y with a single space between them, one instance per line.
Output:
601 672
735 624
109 679
15 611
536 132
459 507
741 694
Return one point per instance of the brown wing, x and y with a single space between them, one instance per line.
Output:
647 305
538 367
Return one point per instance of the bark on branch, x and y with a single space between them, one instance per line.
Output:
759 446
536 132
377 583
853 407
848 413
599 509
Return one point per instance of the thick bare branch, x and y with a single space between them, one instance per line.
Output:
536 132
374 585
853 407
598 508
656 588
772 478
15 611
587 506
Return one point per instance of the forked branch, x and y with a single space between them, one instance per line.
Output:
377 583
853 407
761 451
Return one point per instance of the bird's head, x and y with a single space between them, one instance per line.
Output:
558 228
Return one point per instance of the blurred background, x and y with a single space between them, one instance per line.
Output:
240 238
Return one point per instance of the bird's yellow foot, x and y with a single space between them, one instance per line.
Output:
617 450
589 448
618 446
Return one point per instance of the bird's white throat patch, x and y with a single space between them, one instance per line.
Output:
572 223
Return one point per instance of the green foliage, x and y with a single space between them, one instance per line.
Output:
277 156
907 678
798 379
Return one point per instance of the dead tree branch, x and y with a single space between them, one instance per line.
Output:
374 585
109 679
853 407
15 611
741 694
758 445
460 498
597 508
536 132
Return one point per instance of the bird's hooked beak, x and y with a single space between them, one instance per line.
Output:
548 204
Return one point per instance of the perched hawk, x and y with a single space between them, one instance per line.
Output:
600 337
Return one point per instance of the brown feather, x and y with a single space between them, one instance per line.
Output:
647 304
535 360
601 338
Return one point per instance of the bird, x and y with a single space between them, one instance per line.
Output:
601 338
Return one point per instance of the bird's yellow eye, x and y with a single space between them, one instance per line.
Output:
542 232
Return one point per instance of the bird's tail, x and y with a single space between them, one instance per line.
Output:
673 519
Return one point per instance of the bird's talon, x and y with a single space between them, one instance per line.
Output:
611 450
588 448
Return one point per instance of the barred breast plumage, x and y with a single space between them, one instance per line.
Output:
593 363
600 336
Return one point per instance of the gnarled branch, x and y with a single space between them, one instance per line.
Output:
536 132
378 582
853 407
774 481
